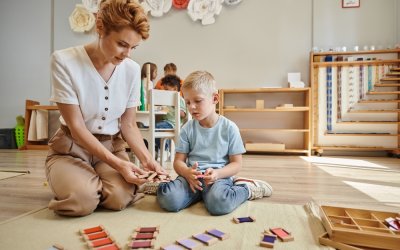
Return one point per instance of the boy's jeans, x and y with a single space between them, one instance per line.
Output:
220 198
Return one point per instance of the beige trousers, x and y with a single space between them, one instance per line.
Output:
80 181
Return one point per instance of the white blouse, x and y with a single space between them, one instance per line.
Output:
76 81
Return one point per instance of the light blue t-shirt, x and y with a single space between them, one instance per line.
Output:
210 147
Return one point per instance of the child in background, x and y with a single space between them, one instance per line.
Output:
144 87
169 69
171 83
208 155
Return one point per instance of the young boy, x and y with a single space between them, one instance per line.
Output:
208 155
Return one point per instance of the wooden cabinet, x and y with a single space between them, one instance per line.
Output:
29 107
356 100
265 123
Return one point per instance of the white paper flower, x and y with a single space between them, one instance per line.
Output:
81 19
91 5
156 7
232 2
204 10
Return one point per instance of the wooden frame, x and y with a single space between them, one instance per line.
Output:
351 3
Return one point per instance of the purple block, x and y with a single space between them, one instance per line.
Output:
188 243
216 233
203 237
269 238
172 247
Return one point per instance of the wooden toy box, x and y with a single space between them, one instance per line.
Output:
360 227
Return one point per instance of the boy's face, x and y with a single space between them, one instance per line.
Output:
200 105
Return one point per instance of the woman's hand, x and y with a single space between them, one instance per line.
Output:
127 169
210 176
191 177
154 166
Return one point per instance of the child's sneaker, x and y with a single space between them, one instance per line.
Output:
257 189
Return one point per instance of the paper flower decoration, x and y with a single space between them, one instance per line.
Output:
232 2
204 10
180 4
81 19
157 7
91 5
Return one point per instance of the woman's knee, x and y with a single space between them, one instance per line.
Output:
78 203
118 198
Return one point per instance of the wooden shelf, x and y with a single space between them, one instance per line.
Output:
374 111
355 63
298 142
386 61
369 122
347 53
294 109
379 101
390 79
383 93
354 148
387 85
31 105
359 134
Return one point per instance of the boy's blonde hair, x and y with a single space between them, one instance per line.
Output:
201 81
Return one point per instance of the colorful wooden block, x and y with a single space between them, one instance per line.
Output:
101 242
268 240
113 246
282 234
95 236
141 244
172 247
92 230
189 244
205 238
244 219
144 236
147 229
216 233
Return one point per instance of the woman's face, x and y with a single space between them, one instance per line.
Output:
116 46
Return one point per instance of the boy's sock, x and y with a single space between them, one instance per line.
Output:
257 188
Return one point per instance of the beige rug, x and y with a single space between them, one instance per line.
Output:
41 229
6 175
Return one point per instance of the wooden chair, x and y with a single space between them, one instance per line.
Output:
162 98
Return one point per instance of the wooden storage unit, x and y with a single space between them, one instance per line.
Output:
29 106
356 104
359 227
270 128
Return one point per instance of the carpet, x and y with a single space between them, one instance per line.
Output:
6 175
43 228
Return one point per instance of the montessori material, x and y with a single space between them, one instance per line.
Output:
282 234
206 239
220 235
244 219
189 244
268 240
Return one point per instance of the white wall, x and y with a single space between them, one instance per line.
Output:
25 38
253 44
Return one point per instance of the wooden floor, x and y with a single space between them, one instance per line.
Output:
363 182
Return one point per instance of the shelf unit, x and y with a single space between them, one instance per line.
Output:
31 105
286 128
355 100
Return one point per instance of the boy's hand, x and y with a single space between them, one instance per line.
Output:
210 176
191 177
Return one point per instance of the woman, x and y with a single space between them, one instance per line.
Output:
97 90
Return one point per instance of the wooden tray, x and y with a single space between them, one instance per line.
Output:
360 227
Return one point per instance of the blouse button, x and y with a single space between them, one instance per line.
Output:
106 97
106 109
99 127
105 87
103 118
